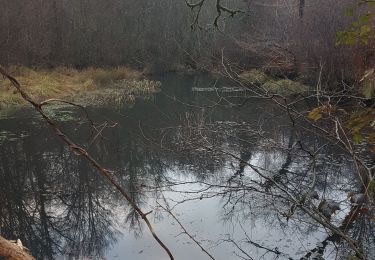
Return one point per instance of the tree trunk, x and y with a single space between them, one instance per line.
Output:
301 8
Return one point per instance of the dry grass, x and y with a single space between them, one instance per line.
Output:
285 87
61 82
254 76
120 92
103 77
273 85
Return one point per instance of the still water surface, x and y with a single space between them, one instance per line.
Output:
180 148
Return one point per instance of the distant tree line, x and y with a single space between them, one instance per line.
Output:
291 37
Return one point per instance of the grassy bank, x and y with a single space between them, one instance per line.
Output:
72 84
271 84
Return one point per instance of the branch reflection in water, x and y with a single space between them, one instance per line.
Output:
203 159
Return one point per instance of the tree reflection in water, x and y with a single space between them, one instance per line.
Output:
57 205
54 205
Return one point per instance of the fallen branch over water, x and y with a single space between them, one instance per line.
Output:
80 151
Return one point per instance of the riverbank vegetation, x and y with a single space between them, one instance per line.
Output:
76 85
273 85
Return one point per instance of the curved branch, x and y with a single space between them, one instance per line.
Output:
220 9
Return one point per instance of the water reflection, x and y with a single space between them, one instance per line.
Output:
178 149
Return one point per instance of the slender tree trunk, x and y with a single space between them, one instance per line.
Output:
301 8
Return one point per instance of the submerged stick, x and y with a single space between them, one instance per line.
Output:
80 151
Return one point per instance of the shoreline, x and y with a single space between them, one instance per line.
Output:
87 85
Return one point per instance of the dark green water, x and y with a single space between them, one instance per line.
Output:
176 147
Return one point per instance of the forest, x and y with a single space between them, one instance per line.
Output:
182 129
293 36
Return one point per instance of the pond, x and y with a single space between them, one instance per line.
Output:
218 161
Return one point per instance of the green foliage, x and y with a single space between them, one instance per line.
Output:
315 114
361 123
362 126
318 112
360 31
349 12
357 137
368 83
371 189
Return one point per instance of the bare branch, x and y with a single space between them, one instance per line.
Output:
78 150
220 10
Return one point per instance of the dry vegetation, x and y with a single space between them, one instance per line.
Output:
282 86
70 83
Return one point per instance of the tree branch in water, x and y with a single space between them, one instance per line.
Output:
80 151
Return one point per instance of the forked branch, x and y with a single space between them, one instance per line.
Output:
220 10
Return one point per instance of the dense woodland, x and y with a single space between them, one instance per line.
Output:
293 37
